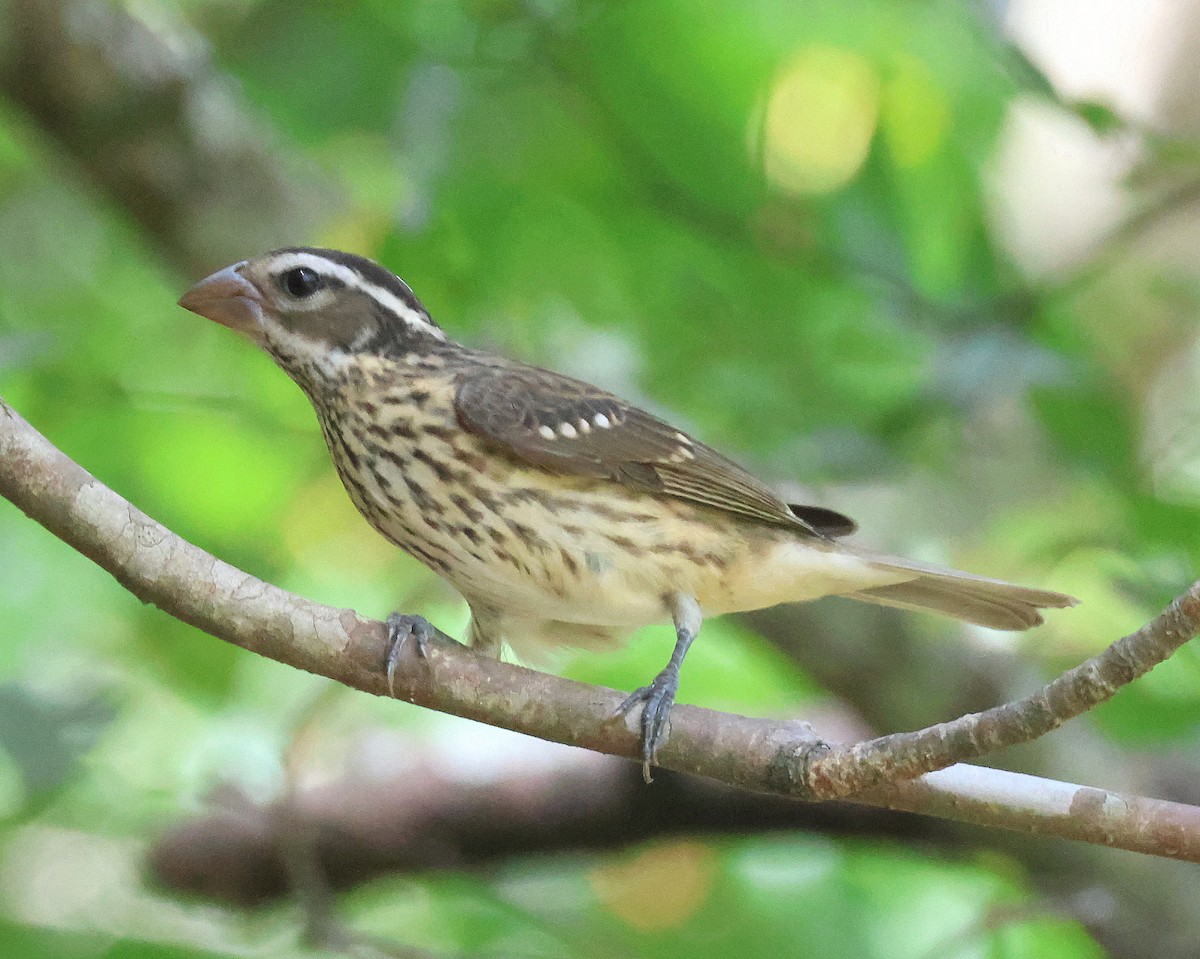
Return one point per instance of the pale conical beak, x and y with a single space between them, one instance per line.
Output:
228 298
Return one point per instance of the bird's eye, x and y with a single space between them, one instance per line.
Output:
301 282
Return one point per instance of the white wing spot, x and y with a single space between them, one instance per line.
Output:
568 431
686 441
547 433
602 421
585 426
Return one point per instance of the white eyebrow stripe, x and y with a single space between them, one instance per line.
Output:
389 301
385 298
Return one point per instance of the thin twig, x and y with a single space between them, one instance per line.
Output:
160 567
852 769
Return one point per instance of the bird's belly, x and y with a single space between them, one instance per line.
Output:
727 566
550 547
514 545
571 578
594 573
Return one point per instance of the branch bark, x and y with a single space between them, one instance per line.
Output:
161 568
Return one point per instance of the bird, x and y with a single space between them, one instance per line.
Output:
563 514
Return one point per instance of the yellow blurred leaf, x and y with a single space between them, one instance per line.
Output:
1104 613
659 888
819 120
914 113
321 526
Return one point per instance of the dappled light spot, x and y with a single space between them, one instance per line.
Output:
662 887
818 121
914 114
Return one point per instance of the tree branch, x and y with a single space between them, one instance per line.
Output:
161 568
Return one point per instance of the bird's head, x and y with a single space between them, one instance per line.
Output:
306 305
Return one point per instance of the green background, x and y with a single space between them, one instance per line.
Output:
773 223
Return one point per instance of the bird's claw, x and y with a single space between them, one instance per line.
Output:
399 629
657 700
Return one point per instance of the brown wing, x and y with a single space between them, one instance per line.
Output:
563 424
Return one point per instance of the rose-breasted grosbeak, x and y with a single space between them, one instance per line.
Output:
562 513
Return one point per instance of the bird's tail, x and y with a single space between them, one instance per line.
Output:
974 599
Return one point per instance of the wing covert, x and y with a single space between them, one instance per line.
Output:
565 425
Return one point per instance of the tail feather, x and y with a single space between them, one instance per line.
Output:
974 599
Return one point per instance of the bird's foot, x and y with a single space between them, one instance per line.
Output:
657 700
399 629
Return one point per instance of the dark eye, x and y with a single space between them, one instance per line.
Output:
301 282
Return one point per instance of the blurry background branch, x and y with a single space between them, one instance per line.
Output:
140 110
428 820
423 821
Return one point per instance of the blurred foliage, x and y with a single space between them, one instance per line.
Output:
773 225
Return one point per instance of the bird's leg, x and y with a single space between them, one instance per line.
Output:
659 696
483 633
399 629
